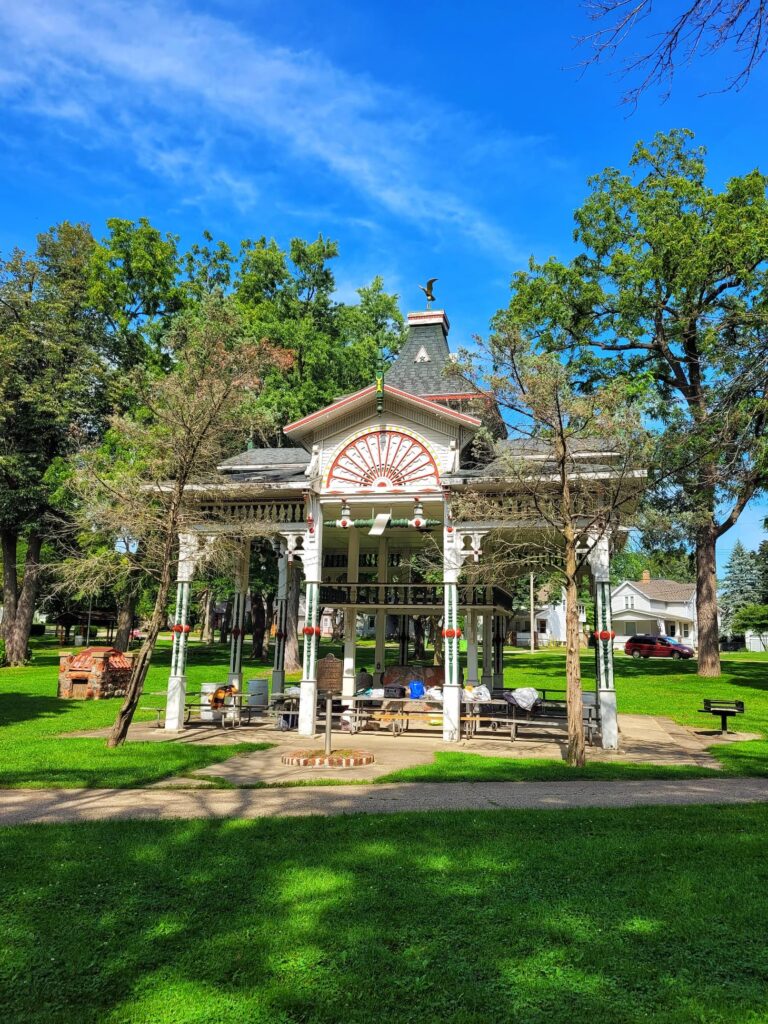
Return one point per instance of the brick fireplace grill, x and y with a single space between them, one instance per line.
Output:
94 673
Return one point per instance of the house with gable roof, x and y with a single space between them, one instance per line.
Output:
656 606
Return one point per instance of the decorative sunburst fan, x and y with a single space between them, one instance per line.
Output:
384 460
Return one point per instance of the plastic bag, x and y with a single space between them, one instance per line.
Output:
416 689
434 693
526 697
481 693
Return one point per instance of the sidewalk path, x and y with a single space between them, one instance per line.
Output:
25 806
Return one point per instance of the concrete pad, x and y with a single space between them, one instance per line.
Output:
644 739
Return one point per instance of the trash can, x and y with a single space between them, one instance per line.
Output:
258 694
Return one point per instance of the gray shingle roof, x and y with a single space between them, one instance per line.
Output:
263 458
420 367
665 590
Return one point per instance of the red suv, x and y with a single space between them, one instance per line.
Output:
656 647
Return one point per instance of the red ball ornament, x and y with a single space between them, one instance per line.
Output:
596 634
344 522
417 522
458 634
449 529
613 634
450 633
311 529
186 629
308 630
318 631
605 635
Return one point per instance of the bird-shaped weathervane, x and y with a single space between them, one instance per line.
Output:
427 289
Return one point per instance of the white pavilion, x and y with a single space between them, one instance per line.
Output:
361 486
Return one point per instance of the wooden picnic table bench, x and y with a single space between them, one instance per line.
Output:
724 708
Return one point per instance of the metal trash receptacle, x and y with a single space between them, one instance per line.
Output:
258 694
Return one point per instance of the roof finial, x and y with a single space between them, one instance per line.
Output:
427 289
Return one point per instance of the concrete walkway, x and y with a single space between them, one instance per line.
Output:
26 806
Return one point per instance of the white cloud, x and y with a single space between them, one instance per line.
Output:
199 100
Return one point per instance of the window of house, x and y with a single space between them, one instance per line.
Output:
686 630
542 625
672 628
629 602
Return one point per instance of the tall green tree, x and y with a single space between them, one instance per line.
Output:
287 298
135 284
741 584
132 489
53 398
669 290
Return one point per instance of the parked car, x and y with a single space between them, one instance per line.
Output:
645 646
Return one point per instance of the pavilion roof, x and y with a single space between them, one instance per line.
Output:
423 365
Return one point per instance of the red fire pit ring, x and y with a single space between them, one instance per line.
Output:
336 759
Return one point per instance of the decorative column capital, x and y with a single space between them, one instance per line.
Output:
599 558
193 548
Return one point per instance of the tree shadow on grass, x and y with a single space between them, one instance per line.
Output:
17 706
495 916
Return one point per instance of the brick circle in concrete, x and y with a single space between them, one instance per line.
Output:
319 759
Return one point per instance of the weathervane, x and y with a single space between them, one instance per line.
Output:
427 289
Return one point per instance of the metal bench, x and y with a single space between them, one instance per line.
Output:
160 713
724 708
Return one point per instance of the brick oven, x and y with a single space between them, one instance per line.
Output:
94 673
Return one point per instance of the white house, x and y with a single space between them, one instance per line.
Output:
659 607
549 618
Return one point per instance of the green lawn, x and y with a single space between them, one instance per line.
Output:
574 917
32 719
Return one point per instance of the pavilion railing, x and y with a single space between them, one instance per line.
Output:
408 595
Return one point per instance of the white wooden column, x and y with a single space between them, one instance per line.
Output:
600 564
381 613
281 620
189 552
311 556
235 676
350 615
452 561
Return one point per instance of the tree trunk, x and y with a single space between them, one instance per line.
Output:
18 629
292 661
576 750
125 613
10 541
436 636
259 620
141 665
268 622
706 602
418 638
206 634
226 622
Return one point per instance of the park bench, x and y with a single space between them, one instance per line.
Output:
724 708
160 713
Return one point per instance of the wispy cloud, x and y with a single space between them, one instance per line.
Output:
213 108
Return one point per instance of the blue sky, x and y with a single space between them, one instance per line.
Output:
432 140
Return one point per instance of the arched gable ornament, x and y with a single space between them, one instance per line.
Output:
384 460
